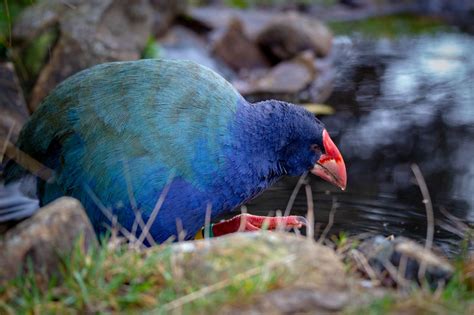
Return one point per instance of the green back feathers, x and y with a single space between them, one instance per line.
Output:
181 117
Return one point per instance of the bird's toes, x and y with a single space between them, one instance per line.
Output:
248 227
272 223
248 222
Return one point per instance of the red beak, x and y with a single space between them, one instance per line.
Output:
330 166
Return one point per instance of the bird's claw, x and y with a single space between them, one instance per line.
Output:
249 222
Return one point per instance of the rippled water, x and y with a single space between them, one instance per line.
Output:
398 102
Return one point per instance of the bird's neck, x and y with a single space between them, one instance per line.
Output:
252 153
263 131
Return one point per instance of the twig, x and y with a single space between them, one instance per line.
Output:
332 212
428 205
179 302
292 199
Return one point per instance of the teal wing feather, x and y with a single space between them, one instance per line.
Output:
144 116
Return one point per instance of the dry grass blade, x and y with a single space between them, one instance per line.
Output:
180 230
428 205
179 302
364 265
28 163
328 227
395 275
108 214
281 226
243 221
459 223
292 199
429 217
156 209
6 142
131 195
133 203
207 221
310 214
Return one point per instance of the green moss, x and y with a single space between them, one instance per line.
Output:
390 26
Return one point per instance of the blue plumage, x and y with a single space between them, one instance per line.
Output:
124 130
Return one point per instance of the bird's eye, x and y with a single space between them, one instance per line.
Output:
315 148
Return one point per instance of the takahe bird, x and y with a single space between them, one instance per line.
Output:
120 135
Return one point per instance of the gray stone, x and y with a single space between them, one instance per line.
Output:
286 77
398 261
44 239
13 110
165 12
91 32
315 276
286 36
237 50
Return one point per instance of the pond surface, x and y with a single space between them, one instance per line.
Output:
398 102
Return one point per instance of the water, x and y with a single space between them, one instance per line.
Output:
398 102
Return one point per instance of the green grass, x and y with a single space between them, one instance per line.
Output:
456 298
9 10
116 278
392 26
152 49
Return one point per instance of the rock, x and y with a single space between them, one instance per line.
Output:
182 43
316 277
165 12
44 239
91 32
237 50
218 18
286 36
13 110
35 19
286 77
397 261
297 300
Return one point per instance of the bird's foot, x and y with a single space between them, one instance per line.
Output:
249 222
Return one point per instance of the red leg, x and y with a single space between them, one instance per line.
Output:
249 222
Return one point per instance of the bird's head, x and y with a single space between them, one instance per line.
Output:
308 146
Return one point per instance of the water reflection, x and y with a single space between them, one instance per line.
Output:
398 102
